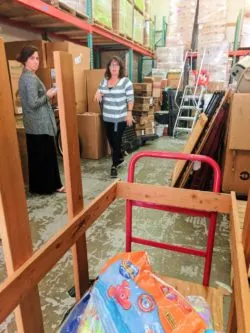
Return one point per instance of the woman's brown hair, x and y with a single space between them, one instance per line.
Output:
121 71
25 53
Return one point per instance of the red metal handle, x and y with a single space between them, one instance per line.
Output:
176 156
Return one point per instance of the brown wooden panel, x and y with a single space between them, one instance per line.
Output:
241 286
15 230
34 269
71 159
189 146
246 232
164 195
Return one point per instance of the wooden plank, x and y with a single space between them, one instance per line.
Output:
53 25
232 320
241 286
164 195
34 269
213 296
71 160
242 205
189 146
15 229
246 232
204 138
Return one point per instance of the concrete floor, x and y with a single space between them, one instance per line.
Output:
107 236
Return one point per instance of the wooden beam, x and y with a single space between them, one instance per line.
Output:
241 286
164 195
15 229
71 160
246 232
232 320
30 18
13 289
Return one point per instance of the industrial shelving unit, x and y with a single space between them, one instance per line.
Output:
41 17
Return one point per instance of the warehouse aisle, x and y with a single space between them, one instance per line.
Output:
107 236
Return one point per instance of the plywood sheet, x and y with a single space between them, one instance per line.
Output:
188 149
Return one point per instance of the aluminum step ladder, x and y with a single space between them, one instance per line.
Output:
190 106
189 110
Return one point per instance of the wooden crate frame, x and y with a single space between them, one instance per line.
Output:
25 270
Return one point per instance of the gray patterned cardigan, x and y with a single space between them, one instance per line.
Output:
38 115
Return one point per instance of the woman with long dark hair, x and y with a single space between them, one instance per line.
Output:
40 126
116 95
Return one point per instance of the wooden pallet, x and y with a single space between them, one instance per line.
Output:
201 143
125 36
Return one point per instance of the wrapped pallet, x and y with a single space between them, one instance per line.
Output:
140 4
149 34
102 12
79 6
148 9
181 23
170 58
245 29
212 41
122 17
138 27
212 21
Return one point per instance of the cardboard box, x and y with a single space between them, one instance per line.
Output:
236 169
81 62
93 78
14 48
156 83
15 71
92 135
143 89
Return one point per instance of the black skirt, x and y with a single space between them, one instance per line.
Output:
44 177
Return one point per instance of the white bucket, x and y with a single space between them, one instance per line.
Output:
160 129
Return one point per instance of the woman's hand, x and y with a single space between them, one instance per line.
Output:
129 119
98 96
51 92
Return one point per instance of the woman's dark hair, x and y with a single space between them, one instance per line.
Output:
26 52
121 71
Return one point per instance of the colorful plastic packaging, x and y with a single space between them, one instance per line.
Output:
128 298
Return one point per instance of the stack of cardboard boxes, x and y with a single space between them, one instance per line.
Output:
143 111
212 40
181 22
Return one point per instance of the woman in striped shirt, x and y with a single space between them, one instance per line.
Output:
116 95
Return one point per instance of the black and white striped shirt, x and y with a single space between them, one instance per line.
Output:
115 100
